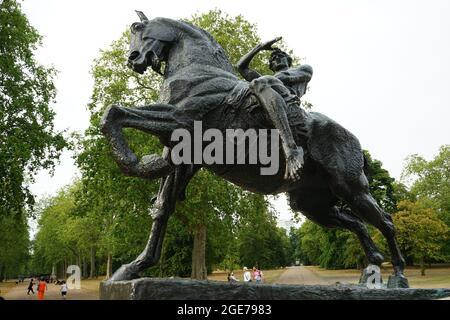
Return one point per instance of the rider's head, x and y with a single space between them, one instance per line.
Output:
279 60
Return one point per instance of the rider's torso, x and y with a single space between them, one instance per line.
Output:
296 89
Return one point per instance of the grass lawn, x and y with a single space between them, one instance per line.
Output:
91 284
6 286
269 276
436 277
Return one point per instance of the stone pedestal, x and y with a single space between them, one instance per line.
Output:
181 289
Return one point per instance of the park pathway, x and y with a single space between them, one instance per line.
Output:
19 292
300 275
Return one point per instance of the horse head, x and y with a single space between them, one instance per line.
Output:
152 40
149 44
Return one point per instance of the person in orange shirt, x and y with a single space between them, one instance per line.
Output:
41 289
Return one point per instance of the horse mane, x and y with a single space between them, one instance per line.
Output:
219 52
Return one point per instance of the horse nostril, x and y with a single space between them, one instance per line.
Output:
133 55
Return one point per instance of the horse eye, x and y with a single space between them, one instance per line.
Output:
137 26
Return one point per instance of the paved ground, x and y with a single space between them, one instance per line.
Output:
300 275
19 292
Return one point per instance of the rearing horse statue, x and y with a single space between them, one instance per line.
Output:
200 84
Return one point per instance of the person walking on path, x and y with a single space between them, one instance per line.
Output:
41 289
247 275
231 277
64 290
30 286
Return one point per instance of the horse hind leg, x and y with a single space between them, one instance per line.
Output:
320 208
154 119
370 211
358 197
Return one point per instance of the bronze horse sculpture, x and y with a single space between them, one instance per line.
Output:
200 84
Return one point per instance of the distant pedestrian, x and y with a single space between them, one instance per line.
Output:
247 275
30 286
257 274
64 290
41 289
231 277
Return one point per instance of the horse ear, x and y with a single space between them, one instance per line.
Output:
141 16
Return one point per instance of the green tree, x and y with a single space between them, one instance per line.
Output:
260 241
310 243
420 231
381 184
236 35
431 179
14 246
28 141
53 248
294 243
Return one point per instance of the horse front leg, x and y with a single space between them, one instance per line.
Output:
154 119
164 206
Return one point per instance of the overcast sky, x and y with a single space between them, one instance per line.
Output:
381 68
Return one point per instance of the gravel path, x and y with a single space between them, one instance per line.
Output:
300 275
19 292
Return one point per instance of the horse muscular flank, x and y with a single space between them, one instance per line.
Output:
200 84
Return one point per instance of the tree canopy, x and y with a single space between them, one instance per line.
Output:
420 232
28 141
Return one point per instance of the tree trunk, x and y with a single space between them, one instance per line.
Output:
85 268
422 266
62 274
198 254
79 260
92 273
54 275
109 266
1 272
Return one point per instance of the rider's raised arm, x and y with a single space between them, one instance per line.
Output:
244 63
295 75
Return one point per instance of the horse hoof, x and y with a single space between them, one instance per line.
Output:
153 166
125 273
376 259
396 281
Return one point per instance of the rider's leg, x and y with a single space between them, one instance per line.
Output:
275 107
